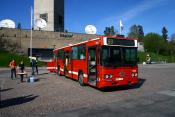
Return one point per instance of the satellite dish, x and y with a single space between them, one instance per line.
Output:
40 23
90 29
7 23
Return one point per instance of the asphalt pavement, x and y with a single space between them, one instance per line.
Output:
62 97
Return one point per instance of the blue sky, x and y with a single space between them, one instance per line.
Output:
151 14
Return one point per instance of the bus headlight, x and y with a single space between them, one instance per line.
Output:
108 76
134 74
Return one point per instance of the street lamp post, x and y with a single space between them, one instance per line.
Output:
31 32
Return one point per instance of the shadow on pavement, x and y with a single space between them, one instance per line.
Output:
127 87
3 90
43 73
17 101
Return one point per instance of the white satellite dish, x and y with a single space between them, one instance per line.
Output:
90 29
40 23
7 23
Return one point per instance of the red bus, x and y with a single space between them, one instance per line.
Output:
100 62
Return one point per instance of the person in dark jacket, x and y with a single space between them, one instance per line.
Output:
21 68
36 66
33 65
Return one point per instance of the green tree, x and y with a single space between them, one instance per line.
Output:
173 37
109 31
136 32
171 46
164 34
141 33
153 42
133 32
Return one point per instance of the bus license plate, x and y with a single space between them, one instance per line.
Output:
118 79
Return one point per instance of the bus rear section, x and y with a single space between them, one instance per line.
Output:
51 66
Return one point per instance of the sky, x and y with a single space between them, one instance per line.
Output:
151 14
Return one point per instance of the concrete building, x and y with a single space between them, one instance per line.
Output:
42 40
140 47
52 11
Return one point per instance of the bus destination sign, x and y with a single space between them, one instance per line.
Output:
122 42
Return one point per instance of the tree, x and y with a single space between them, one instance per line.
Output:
164 34
141 33
136 32
133 32
109 31
173 37
171 48
153 42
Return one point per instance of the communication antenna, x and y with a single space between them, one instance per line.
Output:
7 23
90 29
40 23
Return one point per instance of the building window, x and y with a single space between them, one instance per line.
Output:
44 16
60 20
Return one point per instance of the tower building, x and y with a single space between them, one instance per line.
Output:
52 11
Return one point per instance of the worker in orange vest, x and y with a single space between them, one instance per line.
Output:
12 65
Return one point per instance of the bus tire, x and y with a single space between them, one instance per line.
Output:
81 79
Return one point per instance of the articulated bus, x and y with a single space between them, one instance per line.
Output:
100 62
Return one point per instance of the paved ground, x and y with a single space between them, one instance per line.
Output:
53 96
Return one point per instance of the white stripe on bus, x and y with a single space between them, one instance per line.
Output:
50 67
61 69
76 73
71 72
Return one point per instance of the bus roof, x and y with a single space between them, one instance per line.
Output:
98 38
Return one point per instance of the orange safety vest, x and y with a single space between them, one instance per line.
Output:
12 64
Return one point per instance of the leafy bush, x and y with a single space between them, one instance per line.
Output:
6 57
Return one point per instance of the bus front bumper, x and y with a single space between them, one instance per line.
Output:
118 82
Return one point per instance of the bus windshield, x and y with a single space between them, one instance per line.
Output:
118 56
129 56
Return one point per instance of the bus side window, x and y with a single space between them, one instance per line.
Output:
74 53
82 52
92 57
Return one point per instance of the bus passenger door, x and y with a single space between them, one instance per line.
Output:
92 65
67 64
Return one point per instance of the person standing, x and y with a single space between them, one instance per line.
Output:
12 65
33 64
36 66
21 68
148 59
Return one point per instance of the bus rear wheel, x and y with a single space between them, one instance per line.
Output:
81 79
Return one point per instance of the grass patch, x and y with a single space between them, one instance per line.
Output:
155 57
6 56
